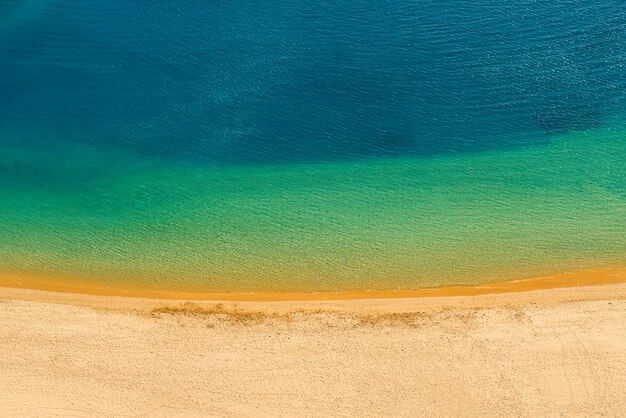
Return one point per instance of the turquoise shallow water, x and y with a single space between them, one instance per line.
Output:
370 224
310 147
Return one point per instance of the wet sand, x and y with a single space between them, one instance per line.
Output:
587 277
553 352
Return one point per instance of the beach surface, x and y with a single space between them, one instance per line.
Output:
551 352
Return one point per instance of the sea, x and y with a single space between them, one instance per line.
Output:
311 146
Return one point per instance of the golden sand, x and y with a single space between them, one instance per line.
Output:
544 346
555 352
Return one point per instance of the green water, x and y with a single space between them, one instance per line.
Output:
393 223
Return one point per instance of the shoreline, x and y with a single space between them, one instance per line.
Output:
546 290
575 279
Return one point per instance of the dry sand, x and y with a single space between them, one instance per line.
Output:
559 352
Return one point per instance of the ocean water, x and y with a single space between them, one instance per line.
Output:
311 146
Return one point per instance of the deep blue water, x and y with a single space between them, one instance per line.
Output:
296 80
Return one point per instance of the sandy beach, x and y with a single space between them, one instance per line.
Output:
554 352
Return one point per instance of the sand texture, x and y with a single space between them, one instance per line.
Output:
559 352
